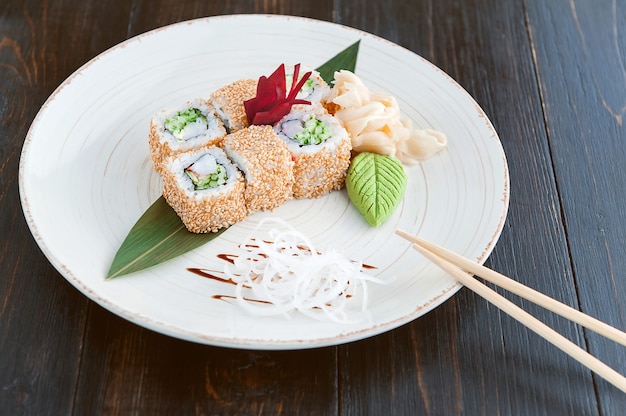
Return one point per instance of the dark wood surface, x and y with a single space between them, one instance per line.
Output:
551 75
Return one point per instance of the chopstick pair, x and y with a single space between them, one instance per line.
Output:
459 267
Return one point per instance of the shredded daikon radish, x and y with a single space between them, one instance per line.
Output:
286 273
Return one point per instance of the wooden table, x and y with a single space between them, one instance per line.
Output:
551 77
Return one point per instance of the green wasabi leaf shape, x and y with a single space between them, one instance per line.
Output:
159 235
376 184
345 59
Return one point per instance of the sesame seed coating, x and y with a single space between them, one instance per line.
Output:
163 145
319 168
267 165
212 210
229 100
266 170
319 173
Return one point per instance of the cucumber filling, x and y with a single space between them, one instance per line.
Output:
313 131
206 173
187 124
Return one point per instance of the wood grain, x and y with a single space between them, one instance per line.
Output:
584 95
42 318
170 376
498 71
550 76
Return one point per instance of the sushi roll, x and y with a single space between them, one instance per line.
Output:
321 148
228 102
266 163
315 89
205 189
190 126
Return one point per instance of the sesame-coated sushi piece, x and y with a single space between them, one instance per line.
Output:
192 125
205 189
314 90
228 102
321 148
266 163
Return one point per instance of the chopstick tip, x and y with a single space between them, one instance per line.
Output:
402 233
406 235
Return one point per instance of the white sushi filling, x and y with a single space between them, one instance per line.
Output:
189 134
202 163
308 131
192 130
291 128
296 128
206 173
206 165
187 124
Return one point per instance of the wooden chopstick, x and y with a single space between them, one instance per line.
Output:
519 289
460 268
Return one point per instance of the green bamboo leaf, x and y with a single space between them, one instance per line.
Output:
376 185
345 59
159 235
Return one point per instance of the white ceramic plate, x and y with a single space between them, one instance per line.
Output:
85 178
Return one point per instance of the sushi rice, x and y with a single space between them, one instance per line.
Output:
228 103
219 205
190 126
315 89
321 148
266 163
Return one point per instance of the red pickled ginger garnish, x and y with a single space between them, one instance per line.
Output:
272 100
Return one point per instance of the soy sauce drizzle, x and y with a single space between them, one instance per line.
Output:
219 276
229 258
222 297
206 273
